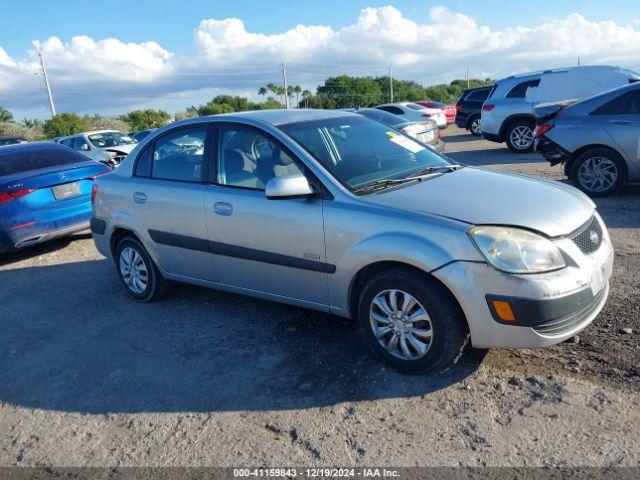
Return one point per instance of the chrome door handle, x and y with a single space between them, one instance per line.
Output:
223 208
139 197
621 122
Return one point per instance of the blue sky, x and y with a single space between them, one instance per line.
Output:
162 55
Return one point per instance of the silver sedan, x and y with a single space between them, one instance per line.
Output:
340 213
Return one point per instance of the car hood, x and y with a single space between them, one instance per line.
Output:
126 149
479 196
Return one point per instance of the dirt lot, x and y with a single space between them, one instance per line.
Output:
90 378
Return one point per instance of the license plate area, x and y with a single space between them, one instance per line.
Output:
68 190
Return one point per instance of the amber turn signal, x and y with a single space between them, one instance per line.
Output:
503 309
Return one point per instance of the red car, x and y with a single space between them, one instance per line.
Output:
449 110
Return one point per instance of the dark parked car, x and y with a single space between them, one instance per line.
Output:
45 192
426 132
469 107
11 140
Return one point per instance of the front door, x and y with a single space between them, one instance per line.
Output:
271 246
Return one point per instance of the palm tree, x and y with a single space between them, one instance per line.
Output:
262 91
297 90
305 96
5 115
31 122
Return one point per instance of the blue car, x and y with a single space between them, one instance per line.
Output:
45 192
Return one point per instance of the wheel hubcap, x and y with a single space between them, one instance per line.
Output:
521 137
133 270
597 174
401 324
475 126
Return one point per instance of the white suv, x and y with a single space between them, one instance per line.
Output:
507 115
105 146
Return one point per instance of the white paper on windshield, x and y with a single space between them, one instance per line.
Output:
407 143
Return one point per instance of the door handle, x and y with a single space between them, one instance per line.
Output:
223 208
139 197
621 122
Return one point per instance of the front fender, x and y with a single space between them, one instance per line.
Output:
399 247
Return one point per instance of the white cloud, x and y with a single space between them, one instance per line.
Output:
111 75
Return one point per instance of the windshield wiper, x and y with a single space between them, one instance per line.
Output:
416 176
429 170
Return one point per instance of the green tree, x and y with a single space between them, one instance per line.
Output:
345 91
213 108
31 122
64 124
145 119
5 115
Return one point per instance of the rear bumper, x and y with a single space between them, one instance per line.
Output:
27 239
551 151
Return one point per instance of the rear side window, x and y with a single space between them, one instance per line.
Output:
67 142
79 142
478 95
35 158
520 90
180 155
627 104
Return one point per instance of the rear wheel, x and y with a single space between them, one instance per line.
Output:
520 136
598 172
411 321
474 126
138 273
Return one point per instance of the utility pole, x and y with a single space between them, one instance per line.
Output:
286 87
391 83
46 82
578 61
467 77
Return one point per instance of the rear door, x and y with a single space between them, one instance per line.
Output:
621 120
167 198
271 246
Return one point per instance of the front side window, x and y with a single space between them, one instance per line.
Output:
250 159
358 151
67 142
110 139
180 155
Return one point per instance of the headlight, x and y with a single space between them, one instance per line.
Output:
515 250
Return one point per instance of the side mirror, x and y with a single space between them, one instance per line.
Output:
288 186
84 148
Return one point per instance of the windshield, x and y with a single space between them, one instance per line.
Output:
415 106
358 151
110 139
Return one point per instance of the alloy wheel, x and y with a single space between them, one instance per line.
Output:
401 324
475 126
521 137
134 270
597 174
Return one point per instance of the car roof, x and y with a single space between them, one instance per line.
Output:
12 137
23 147
273 117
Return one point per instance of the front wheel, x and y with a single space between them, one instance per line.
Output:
598 172
520 136
140 276
411 321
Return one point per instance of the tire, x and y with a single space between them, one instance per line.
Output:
155 285
593 172
519 136
445 321
474 126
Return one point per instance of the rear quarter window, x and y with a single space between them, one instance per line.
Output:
520 90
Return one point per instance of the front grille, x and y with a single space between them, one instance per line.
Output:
589 237
562 325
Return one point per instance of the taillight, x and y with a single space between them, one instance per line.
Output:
99 174
458 107
11 195
542 129
94 192
487 107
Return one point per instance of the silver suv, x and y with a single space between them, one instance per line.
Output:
340 213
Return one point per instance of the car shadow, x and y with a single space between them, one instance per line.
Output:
74 341
42 248
494 156
460 138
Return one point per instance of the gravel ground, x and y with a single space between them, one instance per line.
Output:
203 378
